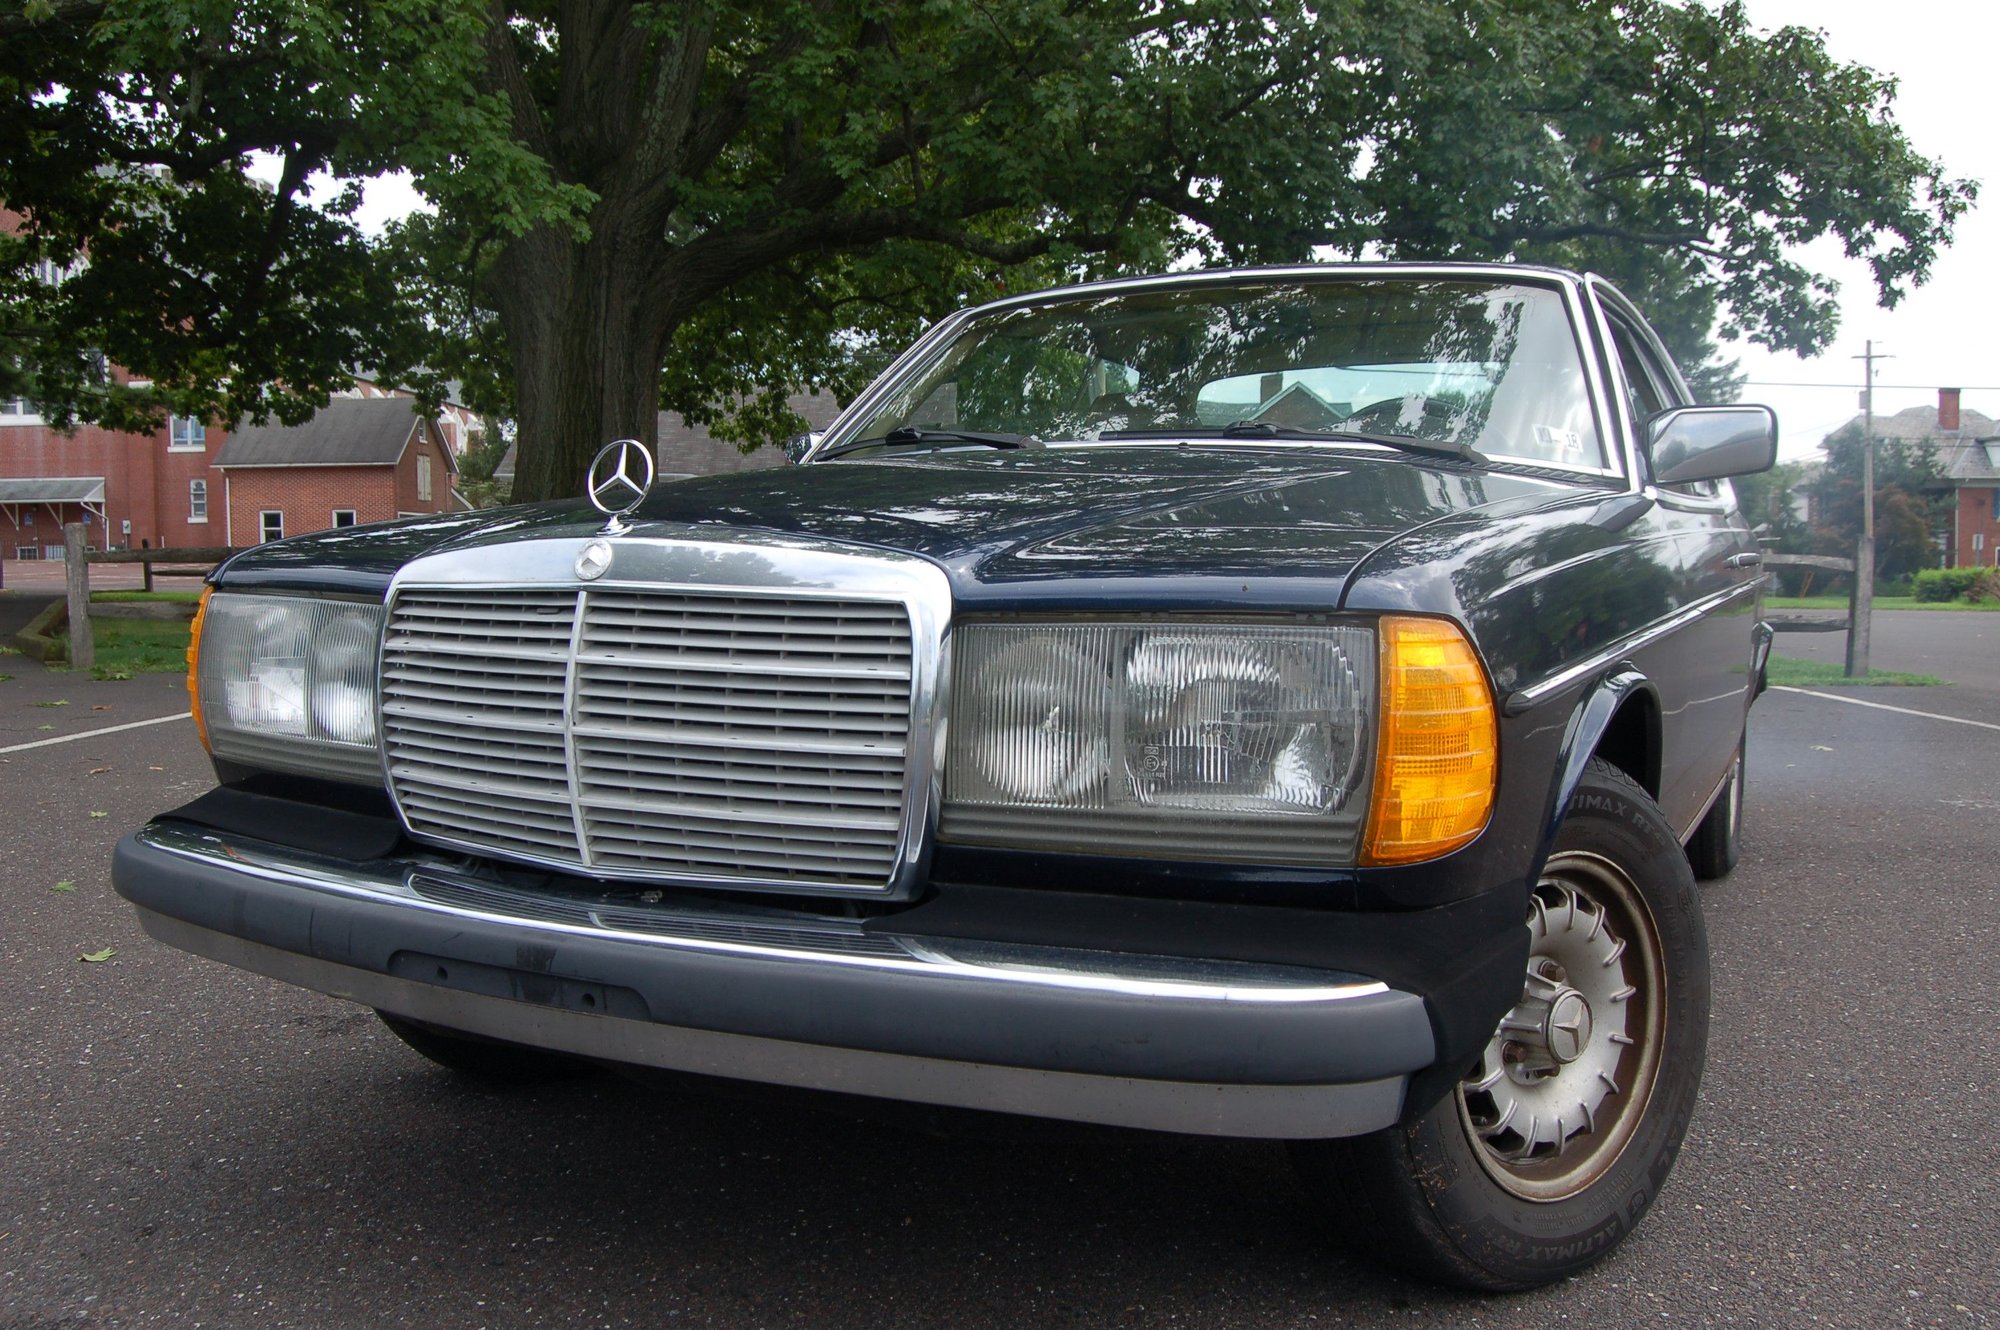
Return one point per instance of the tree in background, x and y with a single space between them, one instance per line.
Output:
1912 512
703 206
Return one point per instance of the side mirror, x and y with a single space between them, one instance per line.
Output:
799 445
1690 443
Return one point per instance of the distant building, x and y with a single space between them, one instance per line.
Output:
1968 449
460 426
129 490
174 487
358 460
689 450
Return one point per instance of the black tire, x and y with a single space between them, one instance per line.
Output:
1718 842
1459 1195
491 1062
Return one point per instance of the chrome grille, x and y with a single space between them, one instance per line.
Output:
654 733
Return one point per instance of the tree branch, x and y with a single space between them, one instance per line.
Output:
63 14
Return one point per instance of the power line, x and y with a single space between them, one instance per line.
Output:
1853 387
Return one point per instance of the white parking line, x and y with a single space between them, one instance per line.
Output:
1855 701
92 734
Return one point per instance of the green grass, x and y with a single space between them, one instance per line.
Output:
145 597
1839 602
1789 672
126 647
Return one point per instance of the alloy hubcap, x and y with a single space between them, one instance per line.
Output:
1565 1078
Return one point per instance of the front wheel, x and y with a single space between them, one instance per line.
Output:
1555 1144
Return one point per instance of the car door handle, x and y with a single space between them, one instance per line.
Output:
1744 560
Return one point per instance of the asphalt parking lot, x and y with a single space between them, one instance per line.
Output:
185 1145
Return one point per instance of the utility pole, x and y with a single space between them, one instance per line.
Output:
1861 605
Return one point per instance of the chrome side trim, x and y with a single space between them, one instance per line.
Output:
1276 1112
1524 699
393 882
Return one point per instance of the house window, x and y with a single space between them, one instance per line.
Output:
343 517
15 406
423 477
197 501
1996 505
186 432
272 523
1978 541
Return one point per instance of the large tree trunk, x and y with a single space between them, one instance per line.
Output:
586 345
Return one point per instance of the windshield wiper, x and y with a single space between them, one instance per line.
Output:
1267 429
912 436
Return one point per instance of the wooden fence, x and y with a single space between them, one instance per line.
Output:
1811 621
195 561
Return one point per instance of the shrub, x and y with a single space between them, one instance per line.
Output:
1936 585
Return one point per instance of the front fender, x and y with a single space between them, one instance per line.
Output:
1596 718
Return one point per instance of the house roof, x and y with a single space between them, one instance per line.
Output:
1961 452
1916 424
53 489
689 450
347 431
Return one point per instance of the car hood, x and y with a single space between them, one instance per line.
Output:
1076 526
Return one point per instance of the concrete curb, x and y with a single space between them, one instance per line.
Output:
39 640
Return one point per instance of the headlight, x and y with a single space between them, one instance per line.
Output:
287 682
1213 741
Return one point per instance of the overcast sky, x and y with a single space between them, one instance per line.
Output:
1943 334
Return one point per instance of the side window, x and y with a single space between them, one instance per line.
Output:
1647 392
1644 393
271 524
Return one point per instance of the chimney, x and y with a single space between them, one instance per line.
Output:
1948 410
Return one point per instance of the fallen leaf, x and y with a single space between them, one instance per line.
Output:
94 956
98 812
1821 748
100 706
45 727
64 885
97 771
156 768
59 702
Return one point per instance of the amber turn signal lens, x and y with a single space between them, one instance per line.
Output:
1437 754
194 665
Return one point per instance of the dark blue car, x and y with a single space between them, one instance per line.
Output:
1289 703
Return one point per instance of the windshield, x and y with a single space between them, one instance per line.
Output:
1467 363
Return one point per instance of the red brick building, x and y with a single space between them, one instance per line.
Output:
359 460
365 458
130 490
1970 456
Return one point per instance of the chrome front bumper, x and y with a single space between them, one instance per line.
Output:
1202 1047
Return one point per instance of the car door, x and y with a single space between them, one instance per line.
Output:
1706 674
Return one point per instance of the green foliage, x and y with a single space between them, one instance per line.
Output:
1912 510
1790 672
704 207
1976 586
125 647
475 470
